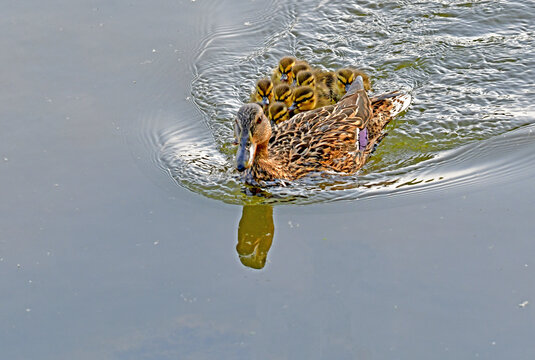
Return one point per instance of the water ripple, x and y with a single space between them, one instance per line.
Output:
466 63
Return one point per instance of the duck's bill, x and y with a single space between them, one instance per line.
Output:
292 107
265 100
246 153
284 77
348 86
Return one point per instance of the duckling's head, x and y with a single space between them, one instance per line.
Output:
306 78
344 79
278 112
252 129
264 91
304 98
285 69
283 93
297 68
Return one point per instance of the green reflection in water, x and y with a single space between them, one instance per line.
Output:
255 235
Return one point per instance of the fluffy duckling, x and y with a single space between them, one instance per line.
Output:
285 71
299 67
305 98
278 112
344 79
263 93
306 78
283 93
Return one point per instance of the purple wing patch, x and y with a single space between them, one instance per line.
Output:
363 139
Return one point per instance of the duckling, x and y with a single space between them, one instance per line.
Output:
278 112
308 78
344 79
284 72
305 98
263 93
283 93
337 137
299 67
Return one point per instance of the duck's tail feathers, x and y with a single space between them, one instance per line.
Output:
400 103
392 103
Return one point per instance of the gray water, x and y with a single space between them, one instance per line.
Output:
125 232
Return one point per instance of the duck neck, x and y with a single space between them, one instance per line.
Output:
262 151
266 167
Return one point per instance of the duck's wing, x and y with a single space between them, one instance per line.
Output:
319 140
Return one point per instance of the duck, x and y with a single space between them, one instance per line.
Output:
334 138
284 72
299 67
316 82
283 93
306 78
263 93
343 78
305 98
278 112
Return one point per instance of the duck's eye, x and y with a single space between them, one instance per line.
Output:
259 119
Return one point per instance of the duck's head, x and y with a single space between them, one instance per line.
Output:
264 91
303 99
252 129
283 93
306 78
278 112
285 69
344 79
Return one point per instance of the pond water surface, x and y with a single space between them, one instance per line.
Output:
126 233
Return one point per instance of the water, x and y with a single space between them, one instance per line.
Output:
125 233
466 90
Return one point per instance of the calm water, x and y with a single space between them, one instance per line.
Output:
125 232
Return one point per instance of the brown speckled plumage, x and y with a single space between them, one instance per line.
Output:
325 139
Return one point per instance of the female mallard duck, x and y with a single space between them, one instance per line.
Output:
263 93
344 79
284 72
283 93
333 138
278 112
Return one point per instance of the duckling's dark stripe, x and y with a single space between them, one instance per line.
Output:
279 115
343 80
305 97
284 96
287 70
266 93
306 82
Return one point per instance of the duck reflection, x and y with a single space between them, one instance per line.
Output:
255 235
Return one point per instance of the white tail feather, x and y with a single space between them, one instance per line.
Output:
401 103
